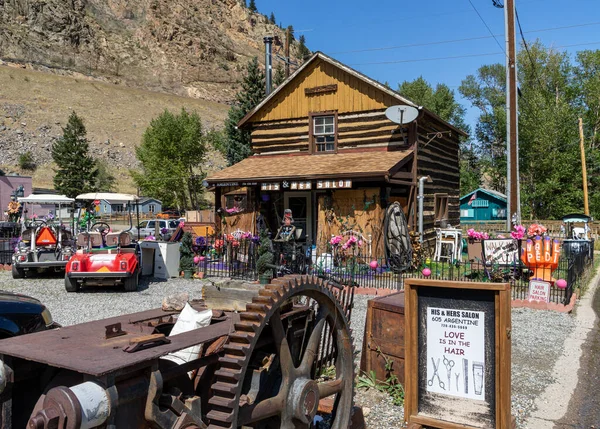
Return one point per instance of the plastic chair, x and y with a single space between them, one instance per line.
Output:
448 244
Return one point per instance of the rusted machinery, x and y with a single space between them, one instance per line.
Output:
256 369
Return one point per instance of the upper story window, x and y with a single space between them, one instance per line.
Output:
323 133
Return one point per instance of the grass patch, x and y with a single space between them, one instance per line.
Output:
588 275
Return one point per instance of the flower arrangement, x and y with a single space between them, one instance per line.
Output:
518 233
477 235
164 231
536 230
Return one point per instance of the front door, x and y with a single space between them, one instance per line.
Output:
300 205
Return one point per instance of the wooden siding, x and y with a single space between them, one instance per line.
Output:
352 95
354 130
438 159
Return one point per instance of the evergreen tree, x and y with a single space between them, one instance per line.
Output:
251 93
252 6
76 172
279 76
291 30
303 51
272 18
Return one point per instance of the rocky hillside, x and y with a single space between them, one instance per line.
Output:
34 106
195 48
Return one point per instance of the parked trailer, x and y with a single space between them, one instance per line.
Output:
255 369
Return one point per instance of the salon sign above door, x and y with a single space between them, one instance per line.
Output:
306 185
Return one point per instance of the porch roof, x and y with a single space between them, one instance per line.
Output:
347 165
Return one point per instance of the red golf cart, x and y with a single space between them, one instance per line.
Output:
105 257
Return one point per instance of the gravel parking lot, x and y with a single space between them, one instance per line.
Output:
537 339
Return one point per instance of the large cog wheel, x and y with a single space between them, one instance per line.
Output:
285 391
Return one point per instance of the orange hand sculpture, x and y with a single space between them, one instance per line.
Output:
541 255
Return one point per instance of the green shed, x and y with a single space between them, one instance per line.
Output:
482 205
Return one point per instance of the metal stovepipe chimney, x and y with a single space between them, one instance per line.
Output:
268 63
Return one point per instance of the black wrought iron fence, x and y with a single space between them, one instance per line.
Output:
235 256
9 234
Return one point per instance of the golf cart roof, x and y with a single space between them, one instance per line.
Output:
108 196
576 218
46 199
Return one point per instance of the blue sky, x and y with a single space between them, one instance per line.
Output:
338 27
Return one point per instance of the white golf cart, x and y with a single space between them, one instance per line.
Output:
45 241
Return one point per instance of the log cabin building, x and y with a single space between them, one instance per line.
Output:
324 148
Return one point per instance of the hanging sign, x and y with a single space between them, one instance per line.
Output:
334 184
269 186
539 291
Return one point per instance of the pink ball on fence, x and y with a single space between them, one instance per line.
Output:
374 265
196 260
561 283
426 272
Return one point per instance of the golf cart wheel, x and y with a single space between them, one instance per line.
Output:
71 284
17 273
131 284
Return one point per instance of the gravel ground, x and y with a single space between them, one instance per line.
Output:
537 336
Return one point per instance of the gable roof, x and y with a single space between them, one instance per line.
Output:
494 194
320 55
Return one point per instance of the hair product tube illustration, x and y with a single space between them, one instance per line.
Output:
466 373
478 377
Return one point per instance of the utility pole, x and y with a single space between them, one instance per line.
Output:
586 207
287 52
512 124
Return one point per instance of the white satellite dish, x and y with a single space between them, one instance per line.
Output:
401 114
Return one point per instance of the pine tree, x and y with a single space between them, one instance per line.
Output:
76 172
291 30
252 6
303 51
272 18
186 261
279 76
252 92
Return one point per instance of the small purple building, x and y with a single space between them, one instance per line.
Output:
8 185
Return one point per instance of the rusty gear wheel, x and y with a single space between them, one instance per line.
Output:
267 376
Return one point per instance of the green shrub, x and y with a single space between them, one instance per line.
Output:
26 161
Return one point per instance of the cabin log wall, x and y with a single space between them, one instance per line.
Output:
438 159
364 130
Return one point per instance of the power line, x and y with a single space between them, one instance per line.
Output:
428 59
486 26
460 56
533 65
439 42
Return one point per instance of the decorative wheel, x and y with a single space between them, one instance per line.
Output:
398 248
268 375
37 222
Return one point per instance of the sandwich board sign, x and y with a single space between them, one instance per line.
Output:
457 361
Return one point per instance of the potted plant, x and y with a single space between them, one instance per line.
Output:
265 258
186 261
474 244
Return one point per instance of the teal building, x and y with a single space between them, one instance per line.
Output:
482 205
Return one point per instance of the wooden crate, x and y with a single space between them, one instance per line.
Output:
384 336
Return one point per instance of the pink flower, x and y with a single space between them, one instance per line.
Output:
536 229
335 240
518 233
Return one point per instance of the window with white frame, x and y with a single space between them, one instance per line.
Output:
151 208
324 133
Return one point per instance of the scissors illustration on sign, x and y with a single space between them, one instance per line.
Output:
435 373
449 364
